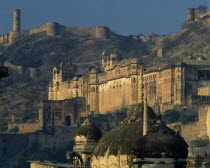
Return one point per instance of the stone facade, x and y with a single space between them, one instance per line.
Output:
115 84
63 112
23 128
195 130
109 88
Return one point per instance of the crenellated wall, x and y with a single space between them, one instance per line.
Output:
195 14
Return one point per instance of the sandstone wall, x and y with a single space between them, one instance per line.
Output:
154 39
53 29
113 89
195 130
24 127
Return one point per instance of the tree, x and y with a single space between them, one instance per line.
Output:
203 7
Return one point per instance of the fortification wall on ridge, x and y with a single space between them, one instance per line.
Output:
195 14
53 29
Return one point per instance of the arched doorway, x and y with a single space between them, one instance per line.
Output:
68 120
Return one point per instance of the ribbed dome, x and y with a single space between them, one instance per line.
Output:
162 141
121 139
89 130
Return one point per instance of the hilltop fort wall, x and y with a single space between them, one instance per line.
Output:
195 14
115 84
51 29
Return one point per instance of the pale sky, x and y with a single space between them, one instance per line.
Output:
125 17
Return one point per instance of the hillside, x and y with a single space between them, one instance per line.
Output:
192 41
31 61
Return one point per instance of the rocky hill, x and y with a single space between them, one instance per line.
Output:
31 61
191 41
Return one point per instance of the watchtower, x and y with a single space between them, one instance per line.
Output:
16 20
190 15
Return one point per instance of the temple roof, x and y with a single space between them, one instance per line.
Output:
89 130
161 141
122 138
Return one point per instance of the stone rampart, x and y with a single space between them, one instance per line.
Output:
195 14
154 39
24 127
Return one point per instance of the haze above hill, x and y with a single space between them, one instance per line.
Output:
123 16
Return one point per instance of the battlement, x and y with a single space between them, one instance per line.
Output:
195 14
52 29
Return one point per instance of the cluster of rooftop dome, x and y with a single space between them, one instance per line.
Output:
127 139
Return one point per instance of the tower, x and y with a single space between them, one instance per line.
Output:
191 15
102 32
16 20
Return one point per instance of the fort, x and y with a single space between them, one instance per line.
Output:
51 29
99 32
195 14
174 86
181 87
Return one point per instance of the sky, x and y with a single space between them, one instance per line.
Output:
126 17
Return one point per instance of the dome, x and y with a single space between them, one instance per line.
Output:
94 71
89 130
161 140
121 139
75 78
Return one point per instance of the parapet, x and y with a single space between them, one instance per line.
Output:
102 32
195 14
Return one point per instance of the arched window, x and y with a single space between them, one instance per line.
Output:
94 89
55 71
68 120
134 80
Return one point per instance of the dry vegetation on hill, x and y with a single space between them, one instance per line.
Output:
21 93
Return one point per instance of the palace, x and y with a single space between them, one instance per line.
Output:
115 85
106 89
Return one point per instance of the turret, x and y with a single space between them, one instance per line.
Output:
52 28
16 20
109 58
86 138
190 15
102 32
